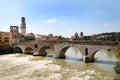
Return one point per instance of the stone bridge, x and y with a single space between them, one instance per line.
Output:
88 49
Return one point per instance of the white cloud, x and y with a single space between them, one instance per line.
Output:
52 20
105 24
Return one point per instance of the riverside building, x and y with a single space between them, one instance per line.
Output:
5 39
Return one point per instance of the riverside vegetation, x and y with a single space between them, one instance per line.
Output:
117 70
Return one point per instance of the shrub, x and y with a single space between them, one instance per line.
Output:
117 69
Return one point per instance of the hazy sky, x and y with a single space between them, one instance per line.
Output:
62 17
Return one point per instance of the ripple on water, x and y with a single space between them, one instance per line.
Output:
23 68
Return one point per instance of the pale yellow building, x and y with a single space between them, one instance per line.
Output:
5 38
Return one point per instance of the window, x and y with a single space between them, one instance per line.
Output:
6 34
6 39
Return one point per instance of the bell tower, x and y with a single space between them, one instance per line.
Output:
23 25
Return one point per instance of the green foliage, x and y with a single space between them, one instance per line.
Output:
62 38
117 68
28 37
87 38
112 36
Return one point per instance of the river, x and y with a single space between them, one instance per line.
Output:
27 67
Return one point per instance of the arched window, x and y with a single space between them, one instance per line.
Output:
36 46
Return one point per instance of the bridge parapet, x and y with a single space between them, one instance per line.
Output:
60 47
81 42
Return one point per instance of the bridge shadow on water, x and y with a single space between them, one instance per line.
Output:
74 59
105 62
96 61
51 56
81 60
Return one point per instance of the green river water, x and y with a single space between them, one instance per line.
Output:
27 67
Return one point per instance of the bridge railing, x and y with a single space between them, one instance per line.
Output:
83 42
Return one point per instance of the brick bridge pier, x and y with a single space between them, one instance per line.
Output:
87 48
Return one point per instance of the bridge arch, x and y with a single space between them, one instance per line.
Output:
63 51
92 56
17 50
42 50
28 50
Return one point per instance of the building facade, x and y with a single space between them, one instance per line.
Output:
15 33
5 39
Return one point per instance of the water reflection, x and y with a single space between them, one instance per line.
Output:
73 58
102 56
73 53
106 55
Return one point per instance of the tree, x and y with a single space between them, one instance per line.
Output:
117 69
28 37
86 38
61 38
117 37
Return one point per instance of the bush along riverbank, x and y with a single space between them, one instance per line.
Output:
6 50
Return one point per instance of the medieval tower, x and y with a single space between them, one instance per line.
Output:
23 26
15 33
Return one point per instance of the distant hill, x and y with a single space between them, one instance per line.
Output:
111 36
110 33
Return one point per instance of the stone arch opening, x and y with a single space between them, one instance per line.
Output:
43 51
28 50
98 54
73 53
70 52
63 51
17 50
